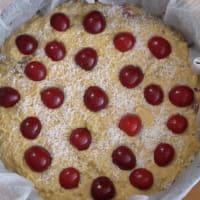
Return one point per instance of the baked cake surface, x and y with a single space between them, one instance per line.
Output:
105 117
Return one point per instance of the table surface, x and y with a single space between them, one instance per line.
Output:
194 194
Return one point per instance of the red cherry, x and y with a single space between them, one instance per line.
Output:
131 76
177 124
131 124
36 71
163 154
26 44
8 97
60 22
52 97
86 58
159 47
95 98
124 41
153 94
30 127
141 178
55 50
124 158
94 22
37 158
181 96
81 138
103 189
69 178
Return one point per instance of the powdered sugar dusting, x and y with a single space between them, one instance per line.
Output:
2 57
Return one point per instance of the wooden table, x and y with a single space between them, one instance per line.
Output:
194 194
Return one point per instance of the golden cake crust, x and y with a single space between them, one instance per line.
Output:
106 136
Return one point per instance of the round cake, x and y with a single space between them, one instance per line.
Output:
97 102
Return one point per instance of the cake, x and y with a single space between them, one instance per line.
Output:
97 102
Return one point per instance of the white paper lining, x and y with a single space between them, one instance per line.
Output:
183 15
